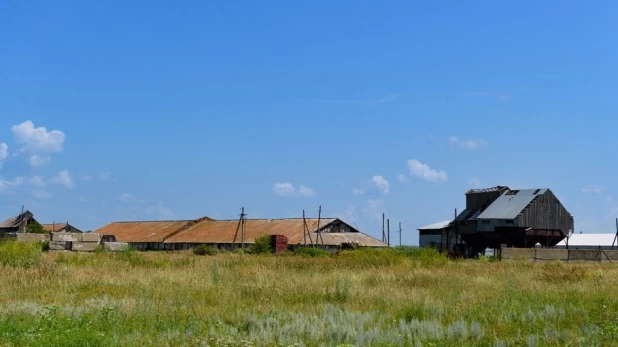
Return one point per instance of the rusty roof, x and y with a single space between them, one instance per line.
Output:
48 228
155 231
222 231
206 230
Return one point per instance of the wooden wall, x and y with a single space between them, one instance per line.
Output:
546 212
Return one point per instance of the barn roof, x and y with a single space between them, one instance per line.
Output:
223 231
54 227
589 240
148 231
437 226
511 203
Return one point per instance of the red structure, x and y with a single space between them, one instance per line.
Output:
278 243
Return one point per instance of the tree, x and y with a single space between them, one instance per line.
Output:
34 227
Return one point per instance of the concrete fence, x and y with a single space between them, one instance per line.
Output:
570 255
78 242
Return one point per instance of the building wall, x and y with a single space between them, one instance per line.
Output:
546 212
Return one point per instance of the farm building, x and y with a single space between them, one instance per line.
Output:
227 234
589 241
503 216
19 224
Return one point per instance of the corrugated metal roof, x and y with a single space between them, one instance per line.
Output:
437 226
589 240
155 231
222 231
511 203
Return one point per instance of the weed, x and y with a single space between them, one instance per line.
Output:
312 252
204 250
20 254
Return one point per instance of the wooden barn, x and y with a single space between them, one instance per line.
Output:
516 218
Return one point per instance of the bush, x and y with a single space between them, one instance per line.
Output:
261 245
34 227
20 254
312 252
44 246
204 250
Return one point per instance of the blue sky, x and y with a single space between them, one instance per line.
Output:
156 110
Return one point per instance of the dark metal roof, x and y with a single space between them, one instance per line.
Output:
511 203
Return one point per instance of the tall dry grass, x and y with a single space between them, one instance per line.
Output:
363 297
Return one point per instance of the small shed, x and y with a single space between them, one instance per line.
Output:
441 236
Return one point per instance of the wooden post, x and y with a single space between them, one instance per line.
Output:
399 234
388 232
383 233
320 233
242 232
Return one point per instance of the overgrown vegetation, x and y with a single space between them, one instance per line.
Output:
34 227
20 254
363 297
204 250
261 245
312 252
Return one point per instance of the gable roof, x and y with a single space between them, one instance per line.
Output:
207 230
437 226
589 240
149 231
511 203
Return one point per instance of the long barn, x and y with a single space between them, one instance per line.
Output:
227 234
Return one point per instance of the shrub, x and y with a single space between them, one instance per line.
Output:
44 246
204 250
312 252
20 254
34 227
261 245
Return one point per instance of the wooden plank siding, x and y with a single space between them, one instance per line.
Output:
546 212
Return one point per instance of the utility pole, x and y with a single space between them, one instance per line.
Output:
383 232
388 232
399 234
242 229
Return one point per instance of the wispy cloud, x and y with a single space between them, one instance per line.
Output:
425 172
471 144
17 181
288 190
403 178
36 161
63 179
38 181
4 152
357 191
105 176
593 189
381 184
382 100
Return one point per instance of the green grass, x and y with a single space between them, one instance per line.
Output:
394 297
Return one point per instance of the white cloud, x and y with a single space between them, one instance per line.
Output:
37 181
288 189
38 140
593 189
17 181
63 179
423 171
475 183
381 184
105 176
4 152
41 194
467 144
37 161
357 191
403 178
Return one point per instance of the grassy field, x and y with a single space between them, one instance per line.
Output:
362 298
